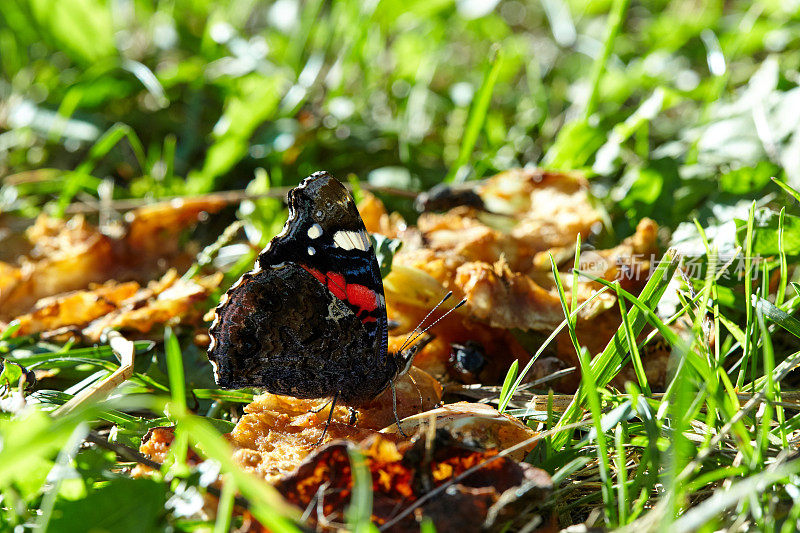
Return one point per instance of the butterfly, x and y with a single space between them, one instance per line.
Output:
309 320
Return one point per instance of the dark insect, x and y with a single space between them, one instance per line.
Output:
309 320
444 197
467 360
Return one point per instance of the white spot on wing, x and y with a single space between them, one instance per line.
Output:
314 231
349 240
342 240
311 250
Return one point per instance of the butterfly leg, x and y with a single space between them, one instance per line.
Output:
328 422
320 408
394 410
353 416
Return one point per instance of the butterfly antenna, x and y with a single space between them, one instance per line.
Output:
422 332
435 307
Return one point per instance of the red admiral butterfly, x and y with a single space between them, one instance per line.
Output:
309 320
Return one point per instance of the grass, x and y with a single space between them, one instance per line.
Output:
679 111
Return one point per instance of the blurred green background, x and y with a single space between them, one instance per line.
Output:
667 105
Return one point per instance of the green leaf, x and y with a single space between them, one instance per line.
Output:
253 100
651 191
10 374
747 180
385 248
83 29
263 217
575 144
121 505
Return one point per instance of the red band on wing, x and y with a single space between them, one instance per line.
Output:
360 296
337 285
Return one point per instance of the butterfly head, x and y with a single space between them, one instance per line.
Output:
405 358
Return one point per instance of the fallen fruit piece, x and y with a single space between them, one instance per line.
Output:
278 432
476 423
75 308
60 256
125 307
457 487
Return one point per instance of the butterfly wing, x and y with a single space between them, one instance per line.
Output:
325 234
310 319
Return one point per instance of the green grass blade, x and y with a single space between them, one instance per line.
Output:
778 316
636 358
620 438
787 188
359 512
748 293
589 385
103 146
225 507
178 451
784 272
564 306
177 384
608 362
507 389
266 503
477 115
616 17
708 511
9 330
575 275
545 344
